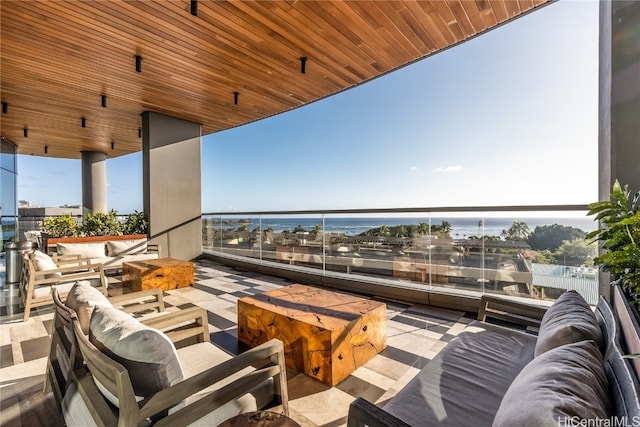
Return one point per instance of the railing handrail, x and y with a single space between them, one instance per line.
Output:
514 208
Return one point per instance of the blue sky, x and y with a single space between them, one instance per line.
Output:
508 118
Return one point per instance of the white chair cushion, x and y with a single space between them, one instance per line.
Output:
202 356
82 298
148 354
76 413
126 247
85 250
42 262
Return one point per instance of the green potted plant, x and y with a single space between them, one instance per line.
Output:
101 224
60 226
136 223
619 234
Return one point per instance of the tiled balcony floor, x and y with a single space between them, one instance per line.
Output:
415 334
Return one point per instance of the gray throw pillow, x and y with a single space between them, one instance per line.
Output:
570 319
563 386
148 354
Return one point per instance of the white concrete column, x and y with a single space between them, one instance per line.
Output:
172 184
94 182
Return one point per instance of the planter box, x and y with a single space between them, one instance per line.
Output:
629 328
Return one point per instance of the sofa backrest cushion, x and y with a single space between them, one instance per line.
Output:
570 319
624 384
563 386
126 247
148 354
82 298
85 250
42 262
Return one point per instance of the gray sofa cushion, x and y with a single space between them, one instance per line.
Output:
82 298
466 380
148 354
568 381
570 319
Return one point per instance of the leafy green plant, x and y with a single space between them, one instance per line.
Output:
136 223
60 226
101 224
619 234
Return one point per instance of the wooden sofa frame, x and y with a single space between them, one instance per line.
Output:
64 354
88 363
52 248
72 268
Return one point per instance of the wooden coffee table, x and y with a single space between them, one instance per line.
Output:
326 334
163 273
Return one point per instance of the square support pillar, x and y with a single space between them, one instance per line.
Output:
172 184
619 101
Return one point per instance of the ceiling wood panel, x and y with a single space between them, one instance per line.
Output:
58 58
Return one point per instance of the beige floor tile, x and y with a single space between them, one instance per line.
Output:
414 343
457 328
373 377
218 306
324 408
20 371
436 311
426 333
387 367
397 328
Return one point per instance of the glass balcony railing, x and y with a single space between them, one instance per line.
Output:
535 252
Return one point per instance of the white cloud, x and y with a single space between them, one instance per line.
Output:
413 168
451 168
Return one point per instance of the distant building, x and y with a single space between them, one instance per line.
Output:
73 210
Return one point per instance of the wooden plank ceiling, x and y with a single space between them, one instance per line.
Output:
60 58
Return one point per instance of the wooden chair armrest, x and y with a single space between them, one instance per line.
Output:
151 299
67 277
510 310
182 324
364 413
153 248
61 260
79 268
173 395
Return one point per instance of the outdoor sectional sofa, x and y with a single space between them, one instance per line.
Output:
110 251
493 375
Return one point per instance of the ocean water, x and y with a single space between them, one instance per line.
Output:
460 227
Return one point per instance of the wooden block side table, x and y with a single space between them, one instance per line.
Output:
326 334
163 273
